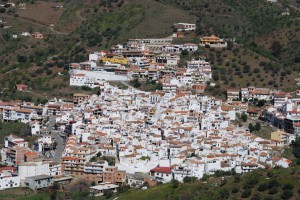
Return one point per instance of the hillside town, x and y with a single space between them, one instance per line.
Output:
131 137
151 59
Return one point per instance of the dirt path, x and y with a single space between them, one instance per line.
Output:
79 16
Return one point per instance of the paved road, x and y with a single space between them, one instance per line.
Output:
60 141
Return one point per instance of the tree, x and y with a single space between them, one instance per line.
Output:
2 10
261 103
235 190
174 183
288 186
237 178
273 183
205 177
251 181
256 197
287 194
273 190
246 69
257 126
246 194
251 128
262 187
276 48
215 75
244 117
185 52
49 72
295 145
136 83
60 64
124 188
53 196
22 58
108 193
189 179
224 194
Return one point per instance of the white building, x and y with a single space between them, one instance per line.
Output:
93 78
35 128
98 190
23 115
8 179
12 140
163 174
168 59
179 47
185 27
29 169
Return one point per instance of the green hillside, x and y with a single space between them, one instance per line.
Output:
267 53
258 185
272 184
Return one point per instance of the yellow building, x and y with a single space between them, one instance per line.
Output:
278 136
115 59
212 41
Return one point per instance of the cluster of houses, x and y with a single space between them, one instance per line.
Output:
151 59
282 112
151 136
36 35
133 137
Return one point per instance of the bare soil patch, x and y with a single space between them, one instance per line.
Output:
42 12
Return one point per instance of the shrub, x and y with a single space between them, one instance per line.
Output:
262 187
244 117
270 174
256 70
288 186
246 194
235 190
287 194
174 183
251 127
224 194
223 182
49 72
215 75
136 83
205 177
189 179
22 58
268 198
86 88
261 103
237 178
256 197
273 190
108 193
273 183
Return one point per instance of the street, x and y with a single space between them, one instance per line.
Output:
60 141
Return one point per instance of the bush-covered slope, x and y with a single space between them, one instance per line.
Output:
272 184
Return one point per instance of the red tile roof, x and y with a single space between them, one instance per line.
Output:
13 169
166 170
